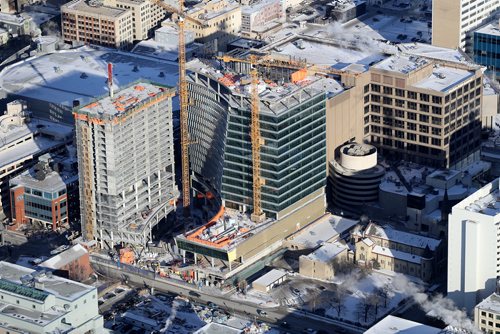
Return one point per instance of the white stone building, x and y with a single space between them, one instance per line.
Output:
37 302
474 247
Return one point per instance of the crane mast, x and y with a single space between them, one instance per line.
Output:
183 97
257 214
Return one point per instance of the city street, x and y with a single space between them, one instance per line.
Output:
298 320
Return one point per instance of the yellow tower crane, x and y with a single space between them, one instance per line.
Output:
255 62
183 99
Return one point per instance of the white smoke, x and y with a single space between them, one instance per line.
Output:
347 37
440 307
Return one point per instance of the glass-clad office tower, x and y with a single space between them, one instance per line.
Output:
293 131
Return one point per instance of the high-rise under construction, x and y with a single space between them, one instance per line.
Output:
126 164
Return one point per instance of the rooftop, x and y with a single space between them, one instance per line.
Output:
123 101
58 77
216 328
36 317
62 259
327 252
410 239
52 181
13 18
325 51
444 79
59 287
395 325
435 52
323 230
492 28
46 135
94 7
275 97
491 304
270 277
485 201
401 64
397 254
226 230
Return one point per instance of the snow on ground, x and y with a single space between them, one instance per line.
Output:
358 289
256 297
390 27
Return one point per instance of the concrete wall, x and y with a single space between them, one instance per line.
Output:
446 23
283 228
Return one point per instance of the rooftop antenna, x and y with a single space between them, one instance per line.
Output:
110 79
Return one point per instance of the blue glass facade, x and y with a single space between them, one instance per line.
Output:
293 157
487 51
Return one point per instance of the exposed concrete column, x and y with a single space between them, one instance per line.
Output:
195 260
112 239
229 265
183 256
213 262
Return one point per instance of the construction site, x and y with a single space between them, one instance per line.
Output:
126 159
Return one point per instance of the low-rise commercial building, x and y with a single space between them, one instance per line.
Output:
269 280
22 140
38 302
45 196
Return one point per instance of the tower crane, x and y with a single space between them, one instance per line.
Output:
183 98
255 62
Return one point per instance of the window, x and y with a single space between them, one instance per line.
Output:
400 92
412 95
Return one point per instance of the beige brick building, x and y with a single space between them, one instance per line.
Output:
145 15
453 19
321 263
221 23
418 110
487 314
92 23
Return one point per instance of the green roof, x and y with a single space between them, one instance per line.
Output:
22 290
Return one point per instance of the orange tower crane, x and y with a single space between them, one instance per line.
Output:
183 99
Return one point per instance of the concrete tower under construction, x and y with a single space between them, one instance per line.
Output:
126 164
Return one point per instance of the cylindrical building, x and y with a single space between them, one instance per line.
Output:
355 176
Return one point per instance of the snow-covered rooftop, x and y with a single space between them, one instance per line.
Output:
401 64
62 259
484 201
83 5
216 328
491 28
396 254
395 325
491 304
410 239
443 79
434 52
270 277
45 134
327 252
53 181
59 77
58 286
323 230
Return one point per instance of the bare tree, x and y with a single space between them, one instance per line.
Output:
337 302
383 293
364 308
374 300
342 266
